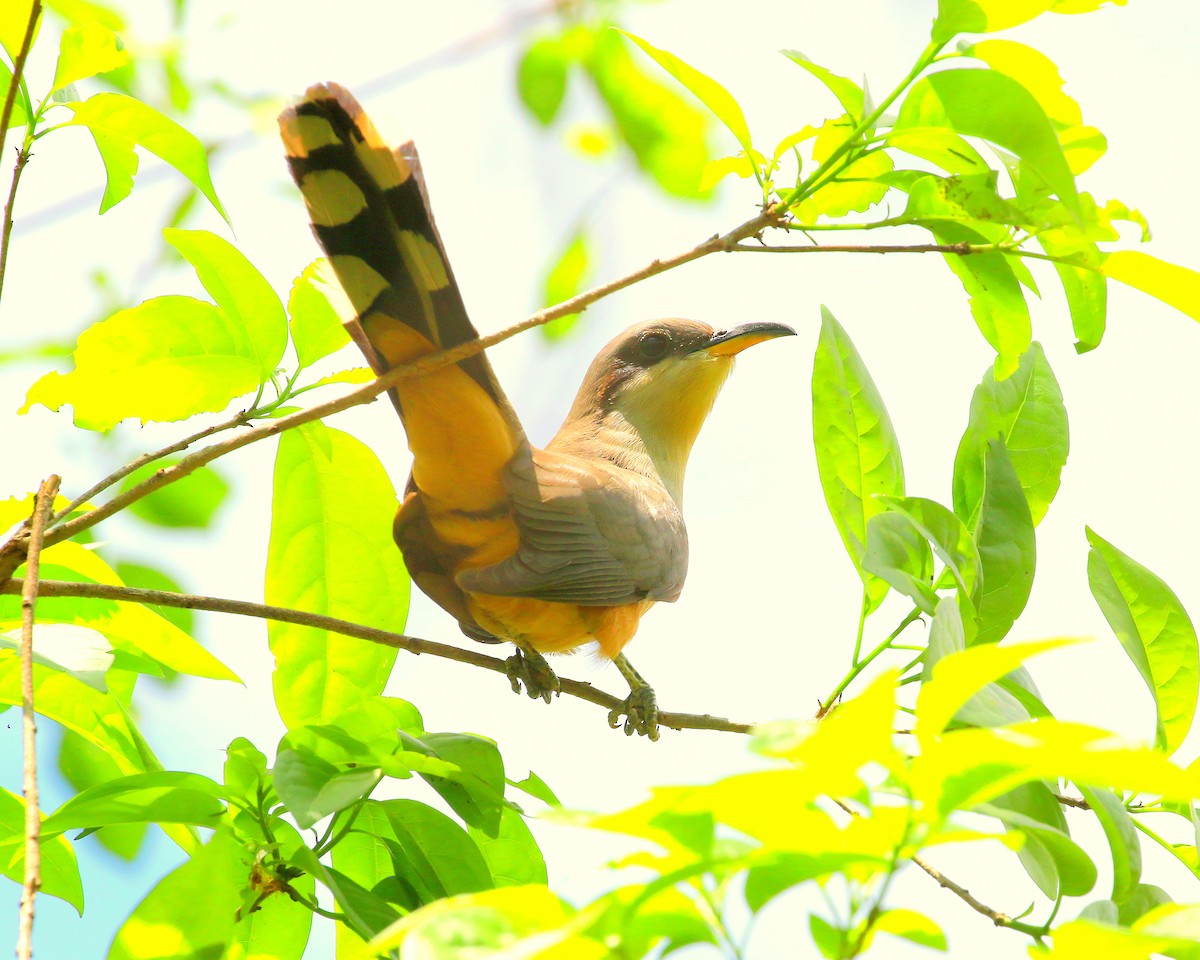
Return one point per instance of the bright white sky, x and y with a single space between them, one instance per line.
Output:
766 624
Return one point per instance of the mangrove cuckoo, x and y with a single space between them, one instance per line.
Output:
552 548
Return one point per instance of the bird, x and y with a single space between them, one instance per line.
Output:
550 548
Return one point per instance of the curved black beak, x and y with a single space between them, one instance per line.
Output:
728 343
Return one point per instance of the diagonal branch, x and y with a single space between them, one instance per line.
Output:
33 817
576 688
12 552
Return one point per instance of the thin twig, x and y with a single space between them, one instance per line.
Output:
962 249
14 83
576 688
23 156
33 819
140 461
11 552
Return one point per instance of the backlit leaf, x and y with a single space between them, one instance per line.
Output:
858 454
241 292
166 359
707 91
85 50
1123 839
1007 553
317 307
1155 631
565 279
161 796
1174 285
192 910
59 871
990 105
984 16
897 554
434 853
312 788
512 855
124 121
14 21
849 94
542 77
1026 411
1036 72
331 552
189 502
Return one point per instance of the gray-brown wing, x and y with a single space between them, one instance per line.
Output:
592 533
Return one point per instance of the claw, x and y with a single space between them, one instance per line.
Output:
530 669
640 708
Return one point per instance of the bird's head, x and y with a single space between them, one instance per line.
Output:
661 378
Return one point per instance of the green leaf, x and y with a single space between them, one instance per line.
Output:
239 290
476 793
279 927
948 537
665 133
704 88
166 359
959 676
1036 72
521 921
1026 411
565 279
1141 900
1123 840
189 502
990 105
1155 631
512 855
85 50
899 555
312 788
317 307
1005 541
858 454
59 871
1035 802
849 94
123 122
1058 865
434 853
84 765
997 301
128 626
158 797
151 578
191 911
120 165
1087 298
542 78
366 913
910 925
331 552
18 117
97 717
245 769
536 787
1174 285
983 16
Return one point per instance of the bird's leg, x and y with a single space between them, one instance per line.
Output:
530 668
640 708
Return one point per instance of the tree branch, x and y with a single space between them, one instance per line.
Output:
962 248
12 551
33 818
416 645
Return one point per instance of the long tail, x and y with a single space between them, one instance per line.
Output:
370 214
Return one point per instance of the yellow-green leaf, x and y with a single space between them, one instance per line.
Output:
85 50
1172 284
331 552
318 306
1155 631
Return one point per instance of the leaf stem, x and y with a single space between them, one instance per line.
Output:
864 607
830 701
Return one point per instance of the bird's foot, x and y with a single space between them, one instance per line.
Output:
529 668
639 711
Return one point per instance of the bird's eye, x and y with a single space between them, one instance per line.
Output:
653 346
